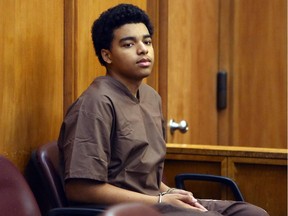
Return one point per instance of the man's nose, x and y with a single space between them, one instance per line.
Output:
142 48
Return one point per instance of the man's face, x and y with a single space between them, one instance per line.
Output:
131 54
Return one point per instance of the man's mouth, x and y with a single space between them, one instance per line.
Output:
144 62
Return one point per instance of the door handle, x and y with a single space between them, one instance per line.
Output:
182 126
221 90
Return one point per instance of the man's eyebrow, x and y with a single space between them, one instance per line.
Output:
134 38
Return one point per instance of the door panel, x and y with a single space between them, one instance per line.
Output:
258 66
192 50
245 38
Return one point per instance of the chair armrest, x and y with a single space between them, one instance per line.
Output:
180 178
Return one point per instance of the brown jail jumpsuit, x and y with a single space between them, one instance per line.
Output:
111 136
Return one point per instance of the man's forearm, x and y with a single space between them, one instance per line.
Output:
103 194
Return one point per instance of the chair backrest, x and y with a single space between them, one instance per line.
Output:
16 197
47 161
131 209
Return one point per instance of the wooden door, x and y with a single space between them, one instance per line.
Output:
188 59
244 38
253 46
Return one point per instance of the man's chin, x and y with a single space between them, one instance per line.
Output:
143 76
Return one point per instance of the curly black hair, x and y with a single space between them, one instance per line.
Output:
113 18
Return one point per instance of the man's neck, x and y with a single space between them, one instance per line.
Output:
132 85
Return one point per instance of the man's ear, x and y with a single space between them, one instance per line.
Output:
106 56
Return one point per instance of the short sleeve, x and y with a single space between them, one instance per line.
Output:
86 143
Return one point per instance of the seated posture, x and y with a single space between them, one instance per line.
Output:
112 140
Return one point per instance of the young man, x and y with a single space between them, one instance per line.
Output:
112 139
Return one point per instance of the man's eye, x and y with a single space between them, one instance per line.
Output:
127 45
148 42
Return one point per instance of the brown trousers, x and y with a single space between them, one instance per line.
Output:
215 208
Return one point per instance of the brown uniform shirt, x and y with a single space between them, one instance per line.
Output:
110 136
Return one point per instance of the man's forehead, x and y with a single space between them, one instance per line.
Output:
132 30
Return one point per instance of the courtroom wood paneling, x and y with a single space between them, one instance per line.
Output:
260 173
31 65
178 164
253 50
153 11
264 182
248 40
190 65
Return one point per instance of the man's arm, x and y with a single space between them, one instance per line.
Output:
85 191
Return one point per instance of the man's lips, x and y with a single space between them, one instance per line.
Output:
144 62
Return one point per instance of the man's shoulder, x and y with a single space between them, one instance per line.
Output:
100 88
147 89
95 97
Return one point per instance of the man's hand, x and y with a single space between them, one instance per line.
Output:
183 199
